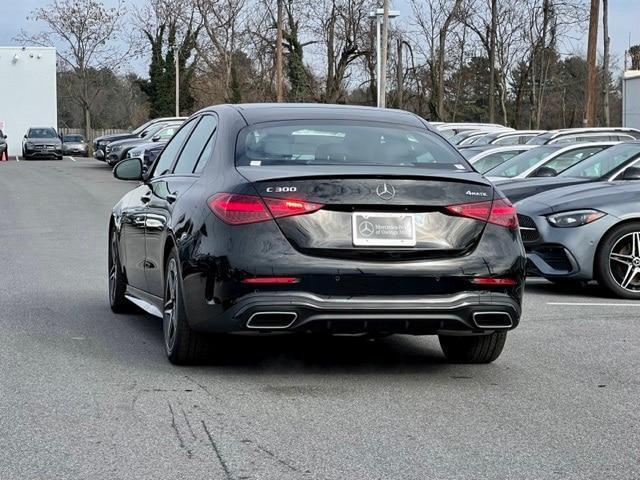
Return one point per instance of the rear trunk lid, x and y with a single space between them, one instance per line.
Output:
375 212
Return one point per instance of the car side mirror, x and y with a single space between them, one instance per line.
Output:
129 169
631 173
25 136
545 172
156 138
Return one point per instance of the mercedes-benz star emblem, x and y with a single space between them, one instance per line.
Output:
366 228
386 192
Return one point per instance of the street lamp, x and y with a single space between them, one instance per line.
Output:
378 14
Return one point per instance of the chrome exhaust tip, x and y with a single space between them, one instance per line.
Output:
271 320
492 320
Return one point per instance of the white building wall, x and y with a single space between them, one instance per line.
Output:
28 95
631 99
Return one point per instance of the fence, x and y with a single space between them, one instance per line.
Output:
92 134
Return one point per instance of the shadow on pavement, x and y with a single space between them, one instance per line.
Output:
322 354
588 291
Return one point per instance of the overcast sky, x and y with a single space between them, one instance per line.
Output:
624 16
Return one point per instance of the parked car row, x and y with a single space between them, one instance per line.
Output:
114 148
576 194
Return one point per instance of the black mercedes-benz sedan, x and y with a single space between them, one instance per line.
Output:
316 219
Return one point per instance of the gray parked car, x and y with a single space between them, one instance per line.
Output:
586 232
74 144
608 165
42 142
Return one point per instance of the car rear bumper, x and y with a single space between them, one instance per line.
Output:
461 313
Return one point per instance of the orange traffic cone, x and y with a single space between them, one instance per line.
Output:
4 157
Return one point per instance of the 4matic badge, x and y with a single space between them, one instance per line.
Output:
476 194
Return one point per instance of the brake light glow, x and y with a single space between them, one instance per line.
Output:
237 209
270 280
499 212
493 281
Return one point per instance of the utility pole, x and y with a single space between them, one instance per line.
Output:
279 76
378 55
605 76
492 61
176 55
590 101
378 14
383 62
400 75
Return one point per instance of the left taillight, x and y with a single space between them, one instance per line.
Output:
237 209
499 212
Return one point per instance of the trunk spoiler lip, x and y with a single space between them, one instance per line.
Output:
473 178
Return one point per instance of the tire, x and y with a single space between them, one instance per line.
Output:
182 345
117 283
617 261
59 157
473 349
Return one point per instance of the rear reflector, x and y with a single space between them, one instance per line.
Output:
236 209
499 212
270 280
503 282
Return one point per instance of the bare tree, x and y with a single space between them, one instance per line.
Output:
168 33
343 24
223 28
435 19
83 31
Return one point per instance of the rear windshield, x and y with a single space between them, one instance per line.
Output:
520 163
492 160
540 139
344 143
42 133
604 162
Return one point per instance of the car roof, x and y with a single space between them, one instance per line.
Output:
570 131
270 112
515 133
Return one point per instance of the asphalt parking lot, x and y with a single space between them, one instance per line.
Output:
85 393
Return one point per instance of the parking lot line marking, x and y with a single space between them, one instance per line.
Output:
593 304
72 159
17 158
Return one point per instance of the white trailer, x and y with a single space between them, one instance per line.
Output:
631 99
28 96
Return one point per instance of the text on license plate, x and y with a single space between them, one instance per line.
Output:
384 229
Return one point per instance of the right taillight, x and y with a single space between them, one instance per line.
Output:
237 209
499 212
